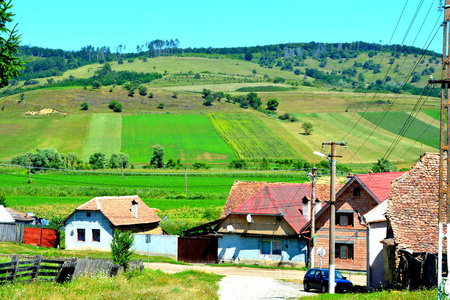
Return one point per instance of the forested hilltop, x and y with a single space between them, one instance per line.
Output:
363 67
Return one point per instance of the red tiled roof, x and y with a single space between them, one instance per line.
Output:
118 210
378 184
241 191
413 206
279 200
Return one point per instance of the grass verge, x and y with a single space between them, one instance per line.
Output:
132 285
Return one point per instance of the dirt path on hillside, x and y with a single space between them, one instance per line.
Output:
252 283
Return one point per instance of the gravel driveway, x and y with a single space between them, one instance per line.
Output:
236 287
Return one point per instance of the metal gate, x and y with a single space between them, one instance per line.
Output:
198 249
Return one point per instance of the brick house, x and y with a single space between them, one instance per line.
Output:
361 194
91 225
412 213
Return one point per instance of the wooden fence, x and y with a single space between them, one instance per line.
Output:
29 268
11 232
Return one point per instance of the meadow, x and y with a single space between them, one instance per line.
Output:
188 137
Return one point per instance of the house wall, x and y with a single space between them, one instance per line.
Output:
160 245
261 225
234 248
352 235
378 260
80 220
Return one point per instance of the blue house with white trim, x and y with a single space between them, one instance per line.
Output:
91 226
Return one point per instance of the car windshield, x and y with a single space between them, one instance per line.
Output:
337 276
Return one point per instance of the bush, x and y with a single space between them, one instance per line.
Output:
160 106
121 247
2 199
115 106
84 106
201 165
238 164
285 116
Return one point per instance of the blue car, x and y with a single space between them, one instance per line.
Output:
318 279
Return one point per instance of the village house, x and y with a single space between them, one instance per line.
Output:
262 223
412 214
361 194
91 225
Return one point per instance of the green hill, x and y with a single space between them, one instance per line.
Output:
189 130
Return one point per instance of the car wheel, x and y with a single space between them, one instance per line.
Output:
306 286
323 288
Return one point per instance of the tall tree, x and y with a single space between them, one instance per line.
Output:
10 63
272 104
158 157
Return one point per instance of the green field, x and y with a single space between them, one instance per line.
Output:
147 185
418 130
22 135
105 133
249 137
189 137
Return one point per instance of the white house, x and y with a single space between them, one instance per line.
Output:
91 225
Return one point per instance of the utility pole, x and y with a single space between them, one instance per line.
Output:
29 168
313 215
444 191
185 180
121 155
332 237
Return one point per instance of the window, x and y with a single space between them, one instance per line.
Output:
344 219
271 247
344 251
96 235
81 236
88 214
356 191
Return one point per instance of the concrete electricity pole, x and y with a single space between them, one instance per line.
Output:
444 162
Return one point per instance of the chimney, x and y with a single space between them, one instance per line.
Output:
317 205
349 176
134 208
306 209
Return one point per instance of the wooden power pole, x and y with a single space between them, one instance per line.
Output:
444 162
332 237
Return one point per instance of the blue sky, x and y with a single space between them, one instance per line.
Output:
70 25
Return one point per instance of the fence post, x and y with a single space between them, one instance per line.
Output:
36 266
13 271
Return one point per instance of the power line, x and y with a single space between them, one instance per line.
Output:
392 103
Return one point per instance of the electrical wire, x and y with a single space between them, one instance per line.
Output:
392 103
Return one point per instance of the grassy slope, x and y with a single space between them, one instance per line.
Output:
303 100
394 121
105 132
187 137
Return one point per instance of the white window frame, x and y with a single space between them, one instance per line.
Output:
271 247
